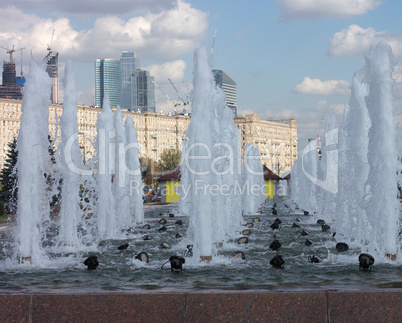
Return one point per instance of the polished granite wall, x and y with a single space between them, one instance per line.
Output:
206 306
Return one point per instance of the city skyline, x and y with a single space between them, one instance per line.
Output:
289 59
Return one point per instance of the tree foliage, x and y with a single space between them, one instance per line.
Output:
8 176
169 159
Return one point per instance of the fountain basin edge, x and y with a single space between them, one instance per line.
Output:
209 305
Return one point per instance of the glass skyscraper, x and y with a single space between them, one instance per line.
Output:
229 88
108 81
144 87
128 64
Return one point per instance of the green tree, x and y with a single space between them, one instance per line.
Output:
169 159
8 176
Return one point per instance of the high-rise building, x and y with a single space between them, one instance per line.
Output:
52 68
229 88
108 81
129 63
142 84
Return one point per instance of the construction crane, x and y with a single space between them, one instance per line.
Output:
11 51
167 96
213 42
178 93
49 46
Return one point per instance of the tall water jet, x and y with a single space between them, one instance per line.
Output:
33 163
228 174
383 205
201 133
70 164
119 182
105 205
134 185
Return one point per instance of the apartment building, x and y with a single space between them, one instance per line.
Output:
277 141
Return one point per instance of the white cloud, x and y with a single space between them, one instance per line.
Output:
355 41
318 87
164 35
337 109
312 9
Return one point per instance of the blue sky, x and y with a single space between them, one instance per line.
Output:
289 58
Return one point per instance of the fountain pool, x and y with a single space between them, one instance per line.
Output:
119 271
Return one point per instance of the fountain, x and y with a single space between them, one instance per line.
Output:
124 256
366 210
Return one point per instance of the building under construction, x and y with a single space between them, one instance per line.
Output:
52 62
10 89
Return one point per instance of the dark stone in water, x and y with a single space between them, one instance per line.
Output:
342 246
179 222
123 246
325 227
249 225
274 204
256 219
162 229
179 235
299 220
314 259
277 261
277 220
274 212
171 215
165 245
366 261
296 225
320 221
308 242
274 226
145 238
91 262
162 221
275 245
146 227
306 212
304 232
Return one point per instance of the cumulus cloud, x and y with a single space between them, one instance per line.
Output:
92 7
313 9
164 35
355 41
318 87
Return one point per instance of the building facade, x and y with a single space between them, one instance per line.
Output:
277 141
129 63
107 81
229 88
